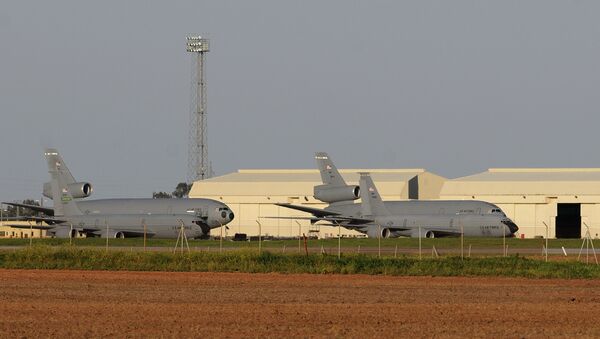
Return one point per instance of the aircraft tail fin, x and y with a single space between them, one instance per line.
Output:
371 200
69 179
334 189
329 173
60 178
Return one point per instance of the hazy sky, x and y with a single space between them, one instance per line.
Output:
455 87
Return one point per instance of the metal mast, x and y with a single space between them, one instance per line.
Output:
198 165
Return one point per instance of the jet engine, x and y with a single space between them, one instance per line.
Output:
424 234
373 232
329 194
64 232
77 189
112 234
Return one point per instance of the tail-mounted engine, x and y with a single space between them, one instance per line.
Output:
77 189
329 194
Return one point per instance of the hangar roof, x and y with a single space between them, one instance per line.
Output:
535 174
526 181
300 182
312 175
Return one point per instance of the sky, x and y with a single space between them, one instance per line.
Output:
454 87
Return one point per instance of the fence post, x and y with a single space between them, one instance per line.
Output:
259 236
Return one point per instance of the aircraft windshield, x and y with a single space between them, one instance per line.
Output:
497 211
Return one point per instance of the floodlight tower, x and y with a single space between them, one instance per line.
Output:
197 148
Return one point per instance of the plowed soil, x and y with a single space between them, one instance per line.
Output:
159 304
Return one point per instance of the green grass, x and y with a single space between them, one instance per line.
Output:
440 243
64 257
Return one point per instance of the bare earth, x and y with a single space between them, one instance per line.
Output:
158 304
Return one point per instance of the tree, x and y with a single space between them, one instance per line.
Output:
28 212
161 195
182 190
11 211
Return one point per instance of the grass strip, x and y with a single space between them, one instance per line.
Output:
42 257
439 243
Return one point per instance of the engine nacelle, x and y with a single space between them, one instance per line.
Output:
64 232
373 232
424 233
328 194
112 234
78 190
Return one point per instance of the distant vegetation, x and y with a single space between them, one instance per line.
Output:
181 190
11 211
64 257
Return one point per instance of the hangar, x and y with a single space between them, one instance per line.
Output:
252 193
567 200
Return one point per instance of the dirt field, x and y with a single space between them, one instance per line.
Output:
143 304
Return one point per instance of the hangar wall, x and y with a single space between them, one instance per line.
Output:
251 195
12 232
565 199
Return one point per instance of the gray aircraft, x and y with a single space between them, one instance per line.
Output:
376 218
120 218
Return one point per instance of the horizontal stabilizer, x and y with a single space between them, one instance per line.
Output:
45 210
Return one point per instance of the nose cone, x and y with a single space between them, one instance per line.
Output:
225 215
512 227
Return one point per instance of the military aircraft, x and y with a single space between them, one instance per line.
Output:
119 218
413 218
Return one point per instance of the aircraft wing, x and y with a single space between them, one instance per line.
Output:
127 233
361 227
317 212
45 210
334 220
446 232
346 221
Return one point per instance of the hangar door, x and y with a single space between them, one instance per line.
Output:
568 221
